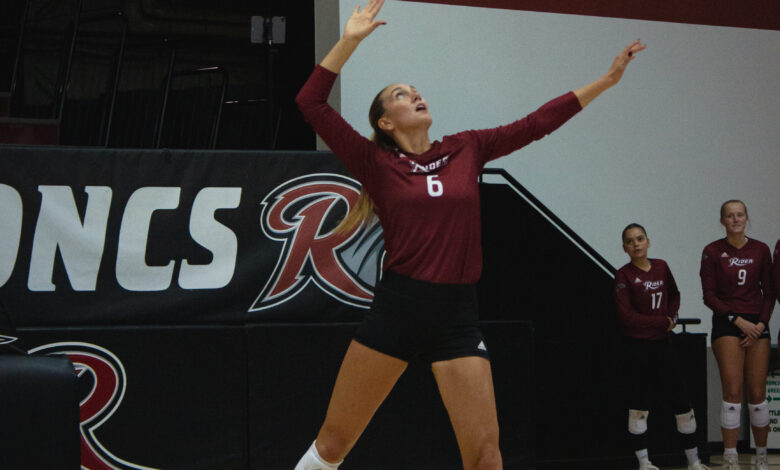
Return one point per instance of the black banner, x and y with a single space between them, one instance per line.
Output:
205 303
140 237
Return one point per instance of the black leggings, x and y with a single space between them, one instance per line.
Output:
652 368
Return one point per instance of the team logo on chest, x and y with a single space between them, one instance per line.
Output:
428 167
653 285
740 262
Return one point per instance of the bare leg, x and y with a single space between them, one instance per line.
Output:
364 381
756 365
466 387
731 364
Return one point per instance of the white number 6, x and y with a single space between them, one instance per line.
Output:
435 188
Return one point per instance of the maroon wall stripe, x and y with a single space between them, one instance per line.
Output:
756 14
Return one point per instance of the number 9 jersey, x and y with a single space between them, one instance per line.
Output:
738 280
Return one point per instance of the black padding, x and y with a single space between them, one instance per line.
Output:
39 407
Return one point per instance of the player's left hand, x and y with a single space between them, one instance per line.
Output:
622 60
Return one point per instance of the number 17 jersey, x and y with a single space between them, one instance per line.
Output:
646 300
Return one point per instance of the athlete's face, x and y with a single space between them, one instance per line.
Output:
405 109
734 218
636 243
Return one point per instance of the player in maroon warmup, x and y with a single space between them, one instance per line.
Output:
647 301
737 287
426 197
776 270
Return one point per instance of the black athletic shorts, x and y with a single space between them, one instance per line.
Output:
412 319
721 326
651 368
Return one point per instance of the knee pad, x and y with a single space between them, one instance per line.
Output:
759 414
637 421
730 415
686 422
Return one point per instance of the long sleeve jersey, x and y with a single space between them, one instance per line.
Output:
776 270
738 280
428 204
646 300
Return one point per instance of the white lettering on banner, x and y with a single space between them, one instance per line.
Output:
132 272
80 245
213 236
10 230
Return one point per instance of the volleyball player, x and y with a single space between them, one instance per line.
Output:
425 194
737 287
647 302
776 270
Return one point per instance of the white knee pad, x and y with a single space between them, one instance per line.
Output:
686 422
637 421
730 415
759 414
311 460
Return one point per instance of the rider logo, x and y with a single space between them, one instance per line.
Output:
7 339
101 382
302 213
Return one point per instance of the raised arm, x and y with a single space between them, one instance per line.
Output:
590 91
351 148
358 27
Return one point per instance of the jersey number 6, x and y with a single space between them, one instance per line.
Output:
435 188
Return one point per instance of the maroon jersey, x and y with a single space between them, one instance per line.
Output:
428 204
776 270
738 280
646 300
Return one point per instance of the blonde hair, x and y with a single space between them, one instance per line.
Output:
362 213
732 201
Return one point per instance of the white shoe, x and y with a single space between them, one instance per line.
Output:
730 462
698 466
647 466
761 462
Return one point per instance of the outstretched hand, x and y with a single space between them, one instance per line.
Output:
362 23
590 91
359 25
620 63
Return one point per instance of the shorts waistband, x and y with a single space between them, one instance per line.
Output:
427 290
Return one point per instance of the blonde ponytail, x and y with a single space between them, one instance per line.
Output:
361 214
363 211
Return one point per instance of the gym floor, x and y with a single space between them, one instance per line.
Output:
745 462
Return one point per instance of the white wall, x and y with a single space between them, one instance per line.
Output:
695 120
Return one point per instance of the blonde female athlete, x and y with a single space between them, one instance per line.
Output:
425 194
737 287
